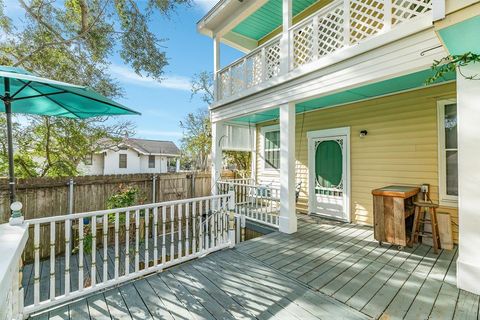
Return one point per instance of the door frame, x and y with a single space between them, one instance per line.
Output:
311 135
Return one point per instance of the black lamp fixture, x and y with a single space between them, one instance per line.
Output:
363 133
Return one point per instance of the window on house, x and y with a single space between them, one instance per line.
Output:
151 161
171 164
271 147
88 160
448 152
122 161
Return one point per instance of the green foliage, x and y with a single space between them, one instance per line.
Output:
55 147
73 40
125 196
196 140
241 160
450 64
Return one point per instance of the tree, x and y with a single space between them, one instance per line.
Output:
73 41
197 141
54 147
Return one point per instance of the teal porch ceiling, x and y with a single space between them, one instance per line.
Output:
268 18
462 37
407 82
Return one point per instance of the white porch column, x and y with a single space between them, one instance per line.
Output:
216 64
218 132
468 109
288 218
285 41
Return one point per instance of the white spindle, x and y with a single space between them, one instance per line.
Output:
155 236
147 237
67 255
127 242
187 231
200 228
94 250
137 240
164 232
80 254
105 247
52 260
117 249
36 248
172 232
194 234
180 231
207 227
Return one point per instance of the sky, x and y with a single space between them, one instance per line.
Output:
164 104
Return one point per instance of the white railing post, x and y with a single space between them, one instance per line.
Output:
387 15
316 38
216 68
346 22
285 42
12 243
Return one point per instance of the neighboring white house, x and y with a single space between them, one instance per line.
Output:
134 156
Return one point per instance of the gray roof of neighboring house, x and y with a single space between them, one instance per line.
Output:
143 146
153 146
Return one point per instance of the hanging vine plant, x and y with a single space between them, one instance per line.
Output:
451 63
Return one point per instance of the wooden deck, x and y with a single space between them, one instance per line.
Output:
326 270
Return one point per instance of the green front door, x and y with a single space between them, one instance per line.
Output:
328 174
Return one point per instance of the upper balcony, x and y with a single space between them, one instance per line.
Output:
315 33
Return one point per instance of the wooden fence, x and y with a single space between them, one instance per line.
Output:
46 197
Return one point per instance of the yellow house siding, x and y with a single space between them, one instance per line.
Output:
400 148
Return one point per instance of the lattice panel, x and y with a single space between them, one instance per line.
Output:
272 60
303 45
330 32
404 10
254 70
224 85
238 77
366 19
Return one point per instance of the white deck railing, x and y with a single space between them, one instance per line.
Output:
104 248
259 203
341 24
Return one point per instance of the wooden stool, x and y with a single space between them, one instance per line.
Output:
419 219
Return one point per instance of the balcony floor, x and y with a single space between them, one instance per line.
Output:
326 270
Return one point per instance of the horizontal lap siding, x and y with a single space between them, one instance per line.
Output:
400 148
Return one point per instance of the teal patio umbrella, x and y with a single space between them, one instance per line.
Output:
24 92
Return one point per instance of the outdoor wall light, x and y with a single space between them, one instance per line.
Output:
363 133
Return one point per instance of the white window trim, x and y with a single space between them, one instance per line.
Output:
263 131
444 199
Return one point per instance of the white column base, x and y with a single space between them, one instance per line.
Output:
287 224
468 277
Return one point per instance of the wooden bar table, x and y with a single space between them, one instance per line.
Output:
392 206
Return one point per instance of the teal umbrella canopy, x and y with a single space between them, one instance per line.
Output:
24 92
30 94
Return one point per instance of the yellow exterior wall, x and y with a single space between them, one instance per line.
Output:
400 148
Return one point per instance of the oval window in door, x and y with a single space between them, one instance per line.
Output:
328 164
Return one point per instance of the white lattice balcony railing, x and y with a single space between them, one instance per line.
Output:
339 25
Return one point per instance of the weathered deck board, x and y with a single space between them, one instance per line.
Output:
326 270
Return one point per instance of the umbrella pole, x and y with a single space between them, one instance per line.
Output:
11 173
